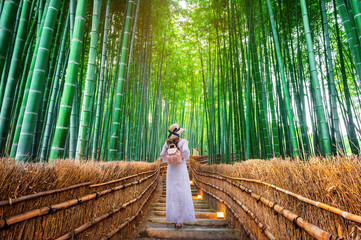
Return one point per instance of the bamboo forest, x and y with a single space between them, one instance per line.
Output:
180 119
248 79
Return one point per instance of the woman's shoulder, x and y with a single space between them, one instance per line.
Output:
183 141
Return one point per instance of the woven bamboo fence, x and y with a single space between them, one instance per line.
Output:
104 206
266 211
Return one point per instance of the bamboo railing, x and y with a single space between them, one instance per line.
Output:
113 211
239 219
262 227
64 205
129 220
296 220
344 214
11 201
40 194
8 222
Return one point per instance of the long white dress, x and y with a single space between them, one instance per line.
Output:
179 203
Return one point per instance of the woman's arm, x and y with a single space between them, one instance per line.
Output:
183 148
163 153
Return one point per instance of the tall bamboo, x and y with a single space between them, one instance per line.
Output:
62 126
284 84
89 92
14 72
315 83
37 83
7 24
115 128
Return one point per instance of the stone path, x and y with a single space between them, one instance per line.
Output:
207 226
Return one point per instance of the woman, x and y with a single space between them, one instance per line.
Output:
179 203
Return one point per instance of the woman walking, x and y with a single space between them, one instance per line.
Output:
179 203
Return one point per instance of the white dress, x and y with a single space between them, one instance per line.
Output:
179 203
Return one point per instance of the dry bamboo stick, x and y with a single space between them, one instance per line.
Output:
121 179
249 234
106 215
112 233
263 228
340 212
64 205
39 194
311 229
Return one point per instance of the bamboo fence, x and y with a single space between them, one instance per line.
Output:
283 222
113 211
344 214
261 226
100 210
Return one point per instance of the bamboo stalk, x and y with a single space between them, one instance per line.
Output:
106 215
39 194
64 205
120 179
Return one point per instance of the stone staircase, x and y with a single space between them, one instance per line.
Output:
207 226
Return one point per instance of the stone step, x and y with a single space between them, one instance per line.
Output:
194 191
198 222
195 209
191 233
199 215
196 205
193 194
165 186
163 199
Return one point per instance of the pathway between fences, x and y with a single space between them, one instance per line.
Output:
226 206
207 226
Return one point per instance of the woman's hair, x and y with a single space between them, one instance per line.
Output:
173 141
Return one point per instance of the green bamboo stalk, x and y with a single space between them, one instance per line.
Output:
17 107
248 94
13 76
354 47
355 5
88 96
354 145
284 84
7 25
305 138
36 87
62 126
96 138
1 6
334 112
114 140
315 84
54 93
